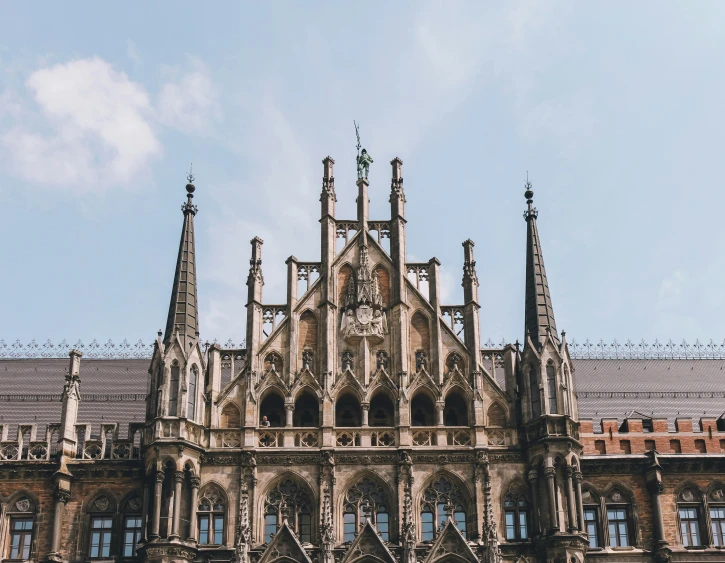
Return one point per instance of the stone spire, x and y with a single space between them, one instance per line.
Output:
183 313
539 312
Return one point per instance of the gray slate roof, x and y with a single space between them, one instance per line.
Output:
114 390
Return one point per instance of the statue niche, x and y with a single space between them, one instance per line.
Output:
362 313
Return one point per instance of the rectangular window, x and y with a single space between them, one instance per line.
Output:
600 446
349 526
689 526
218 529
675 447
270 527
426 523
383 526
717 517
625 446
211 529
618 529
510 525
305 525
131 535
101 528
649 445
700 446
174 391
21 535
204 529
590 523
460 518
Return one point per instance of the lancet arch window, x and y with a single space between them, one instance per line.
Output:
442 500
534 392
288 500
551 388
516 513
366 501
174 389
191 401
210 516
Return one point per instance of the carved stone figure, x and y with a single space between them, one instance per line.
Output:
363 165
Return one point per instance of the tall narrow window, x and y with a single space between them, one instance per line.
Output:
210 515
591 525
131 535
101 529
516 513
441 496
174 390
535 393
191 406
717 517
618 526
366 500
349 524
21 536
551 383
689 526
290 496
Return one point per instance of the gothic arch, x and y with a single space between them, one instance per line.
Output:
273 359
98 495
215 486
456 410
590 489
388 489
345 273
35 506
348 409
382 407
716 491
124 504
497 415
271 405
419 341
422 407
383 283
306 408
301 482
691 485
625 490
230 416
459 491
307 337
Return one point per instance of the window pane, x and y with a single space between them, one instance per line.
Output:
270 527
441 511
460 519
349 526
218 529
510 525
204 529
426 520
523 525
305 528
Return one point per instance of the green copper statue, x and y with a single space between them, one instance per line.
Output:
363 165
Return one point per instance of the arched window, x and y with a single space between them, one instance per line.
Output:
440 500
307 339
290 499
382 410
689 503
174 389
591 518
496 415
717 515
535 393
132 525
455 411
191 402
272 407
21 515
618 519
347 411
210 516
307 410
365 501
420 341
516 513
422 411
551 384
230 417
100 513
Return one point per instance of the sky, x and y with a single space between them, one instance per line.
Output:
615 111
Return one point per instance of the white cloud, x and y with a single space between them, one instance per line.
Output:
95 129
132 52
189 102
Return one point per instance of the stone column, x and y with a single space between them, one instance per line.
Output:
656 488
440 405
145 511
178 481
195 484
533 478
62 496
365 412
289 412
550 474
571 501
155 523
579 502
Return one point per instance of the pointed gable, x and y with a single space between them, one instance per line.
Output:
368 546
451 542
285 547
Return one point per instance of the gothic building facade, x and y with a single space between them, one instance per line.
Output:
363 421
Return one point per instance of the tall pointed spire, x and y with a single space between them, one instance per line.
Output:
183 312
539 312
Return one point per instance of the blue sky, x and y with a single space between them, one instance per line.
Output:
616 111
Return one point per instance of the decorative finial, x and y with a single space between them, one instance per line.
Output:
529 195
364 160
190 188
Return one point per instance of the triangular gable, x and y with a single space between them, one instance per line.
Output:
306 379
348 379
284 547
369 546
451 542
421 379
382 379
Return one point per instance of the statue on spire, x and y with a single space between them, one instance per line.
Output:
364 160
